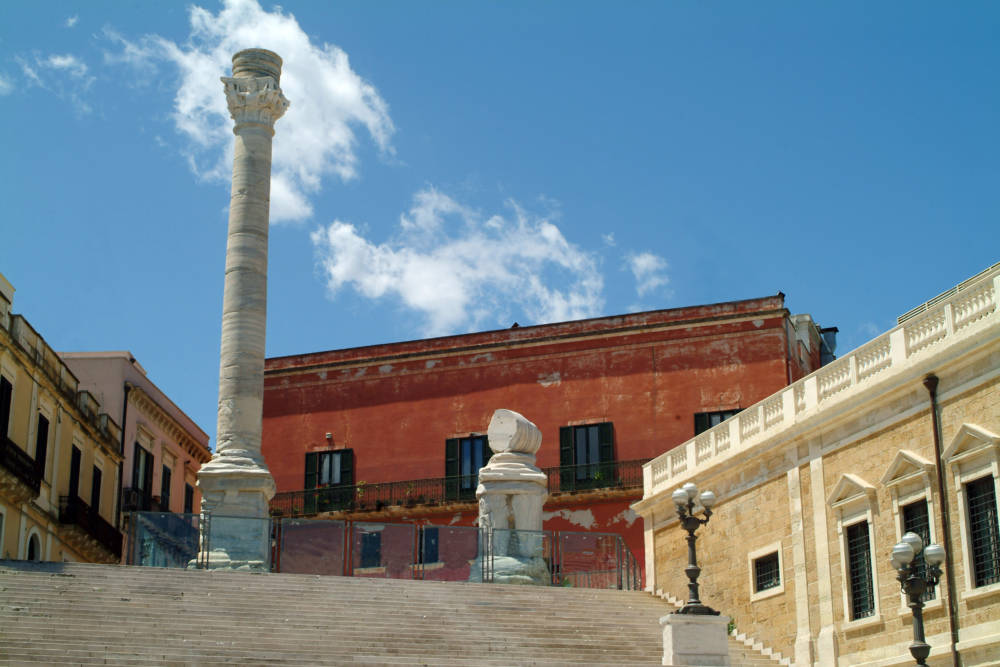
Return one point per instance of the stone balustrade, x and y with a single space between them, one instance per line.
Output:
959 313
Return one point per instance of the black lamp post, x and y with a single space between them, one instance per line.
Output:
914 586
684 498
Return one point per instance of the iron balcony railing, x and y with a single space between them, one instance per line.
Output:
22 466
374 496
138 500
73 511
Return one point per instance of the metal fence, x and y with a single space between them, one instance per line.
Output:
379 550
372 496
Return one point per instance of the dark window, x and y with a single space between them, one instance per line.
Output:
859 571
142 473
916 520
165 490
34 549
429 545
984 531
586 457
371 549
95 490
6 391
332 472
706 420
767 572
188 499
74 473
463 457
42 444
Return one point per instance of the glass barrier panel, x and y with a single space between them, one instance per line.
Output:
450 553
521 557
239 543
588 560
383 550
310 546
163 539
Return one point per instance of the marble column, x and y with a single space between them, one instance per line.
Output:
236 482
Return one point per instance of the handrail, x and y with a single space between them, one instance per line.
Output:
369 496
962 313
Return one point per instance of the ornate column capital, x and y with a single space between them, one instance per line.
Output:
254 101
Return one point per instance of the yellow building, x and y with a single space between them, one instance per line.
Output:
818 482
59 454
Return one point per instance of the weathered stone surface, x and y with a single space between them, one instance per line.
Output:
689 639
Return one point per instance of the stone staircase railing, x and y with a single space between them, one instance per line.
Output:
758 651
962 313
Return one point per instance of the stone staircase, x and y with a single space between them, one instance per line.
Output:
84 614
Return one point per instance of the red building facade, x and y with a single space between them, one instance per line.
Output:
396 432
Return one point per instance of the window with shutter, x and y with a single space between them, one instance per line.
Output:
6 392
331 475
41 444
587 457
463 457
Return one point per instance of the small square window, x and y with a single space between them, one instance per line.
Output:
767 572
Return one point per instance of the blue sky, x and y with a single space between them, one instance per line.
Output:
456 166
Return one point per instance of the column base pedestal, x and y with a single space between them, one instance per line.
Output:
692 639
236 491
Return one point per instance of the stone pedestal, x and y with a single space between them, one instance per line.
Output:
236 483
692 639
511 493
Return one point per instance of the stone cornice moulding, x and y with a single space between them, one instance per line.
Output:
144 402
479 349
794 438
254 101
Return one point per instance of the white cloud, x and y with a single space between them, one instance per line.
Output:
71 21
609 239
461 270
67 63
315 138
64 75
649 271
6 87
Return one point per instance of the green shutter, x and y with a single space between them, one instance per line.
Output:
606 442
347 493
347 466
135 465
606 453
148 491
451 486
311 459
566 474
309 499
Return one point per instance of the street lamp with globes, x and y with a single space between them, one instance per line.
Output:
684 499
914 586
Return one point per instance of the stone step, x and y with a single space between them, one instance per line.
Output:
55 613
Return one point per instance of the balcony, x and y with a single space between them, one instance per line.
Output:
23 467
138 500
367 497
73 511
